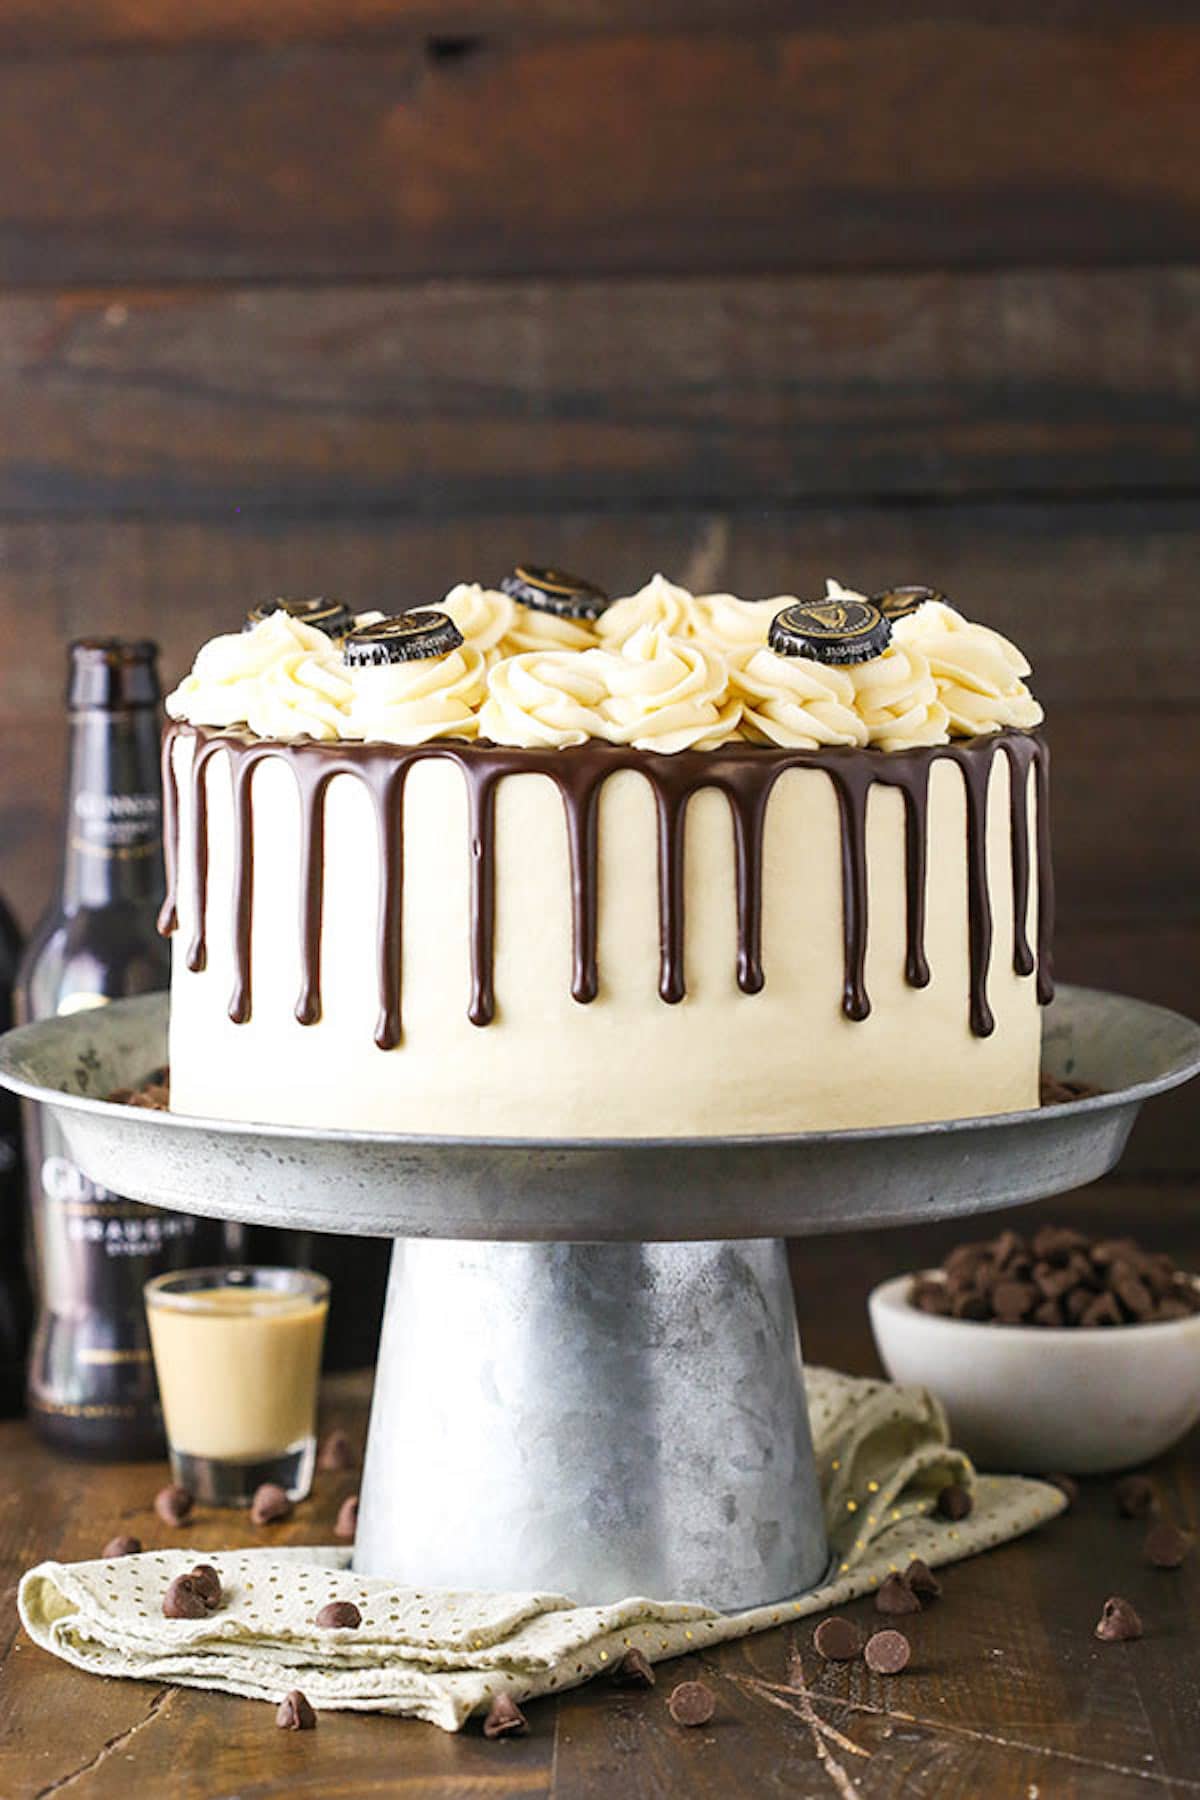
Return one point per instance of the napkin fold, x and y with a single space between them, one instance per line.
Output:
883 1455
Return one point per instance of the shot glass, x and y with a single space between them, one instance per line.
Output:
238 1354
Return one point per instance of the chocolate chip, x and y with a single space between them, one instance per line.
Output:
294 1713
895 1596
1165 1546
837 1639
955 1502
173 1504
205 1578
1006 1247
1102 1312
1077 1302
922 1580
633 1670
931 1296
1012 1300
505 1719
1132 1292
347 1519
1052 1283
1172 1308
269 1504
887 1652
1118 1622
1054 1243
336 1453
1136 1497
691 1703
970 1306
339 1615
1113 1250
122 1546
1066 1484
184 1600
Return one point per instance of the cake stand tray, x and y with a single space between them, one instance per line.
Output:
596 1190
589 1377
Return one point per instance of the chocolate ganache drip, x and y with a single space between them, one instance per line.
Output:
745 773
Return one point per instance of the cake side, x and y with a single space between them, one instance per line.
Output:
600 941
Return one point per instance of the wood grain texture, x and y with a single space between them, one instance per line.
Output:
28 26
450 395
895 144
1008 1689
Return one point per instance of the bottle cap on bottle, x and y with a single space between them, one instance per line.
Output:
113 672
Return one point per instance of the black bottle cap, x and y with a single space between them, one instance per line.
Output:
838 630
409 637
111 673
333 617
897 602
554 591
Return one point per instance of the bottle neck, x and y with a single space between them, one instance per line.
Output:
114 809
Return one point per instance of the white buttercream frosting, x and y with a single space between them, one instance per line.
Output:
534 630
412 702
979 674
726 623
661 669
896 697
793 702
484 616
668 693
546 699
661 602
281 678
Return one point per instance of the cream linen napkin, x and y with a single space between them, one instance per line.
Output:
440 1655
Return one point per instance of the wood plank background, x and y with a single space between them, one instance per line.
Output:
367 295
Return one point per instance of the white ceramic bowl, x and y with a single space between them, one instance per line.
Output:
1040 1401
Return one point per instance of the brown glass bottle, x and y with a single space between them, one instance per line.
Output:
91 1387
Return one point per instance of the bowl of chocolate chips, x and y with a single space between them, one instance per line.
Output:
1052 1352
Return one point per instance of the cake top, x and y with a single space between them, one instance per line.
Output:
547 660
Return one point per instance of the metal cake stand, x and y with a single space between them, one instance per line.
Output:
589 1377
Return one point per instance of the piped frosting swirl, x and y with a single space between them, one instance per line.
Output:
660 669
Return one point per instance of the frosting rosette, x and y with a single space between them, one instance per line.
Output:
979 673
281 678
661 603
896 697
484 616
794 702
413 702
669 694
732 625
546 699
533 630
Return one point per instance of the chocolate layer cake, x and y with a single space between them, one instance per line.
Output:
538 864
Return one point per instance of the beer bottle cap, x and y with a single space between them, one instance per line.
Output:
111 673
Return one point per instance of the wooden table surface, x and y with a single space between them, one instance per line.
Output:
1009 1693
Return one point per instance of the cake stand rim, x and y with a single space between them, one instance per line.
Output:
1183 1068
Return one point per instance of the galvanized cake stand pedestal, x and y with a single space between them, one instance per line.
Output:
589 1377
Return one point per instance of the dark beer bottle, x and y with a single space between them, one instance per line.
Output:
91 1388
14 1282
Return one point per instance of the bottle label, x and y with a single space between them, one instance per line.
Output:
114 825
91 1357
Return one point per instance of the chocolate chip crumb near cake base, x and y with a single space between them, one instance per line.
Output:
173 1504
887 1652
505 1719
838 1639
691 1703
294 1713
1119 1622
